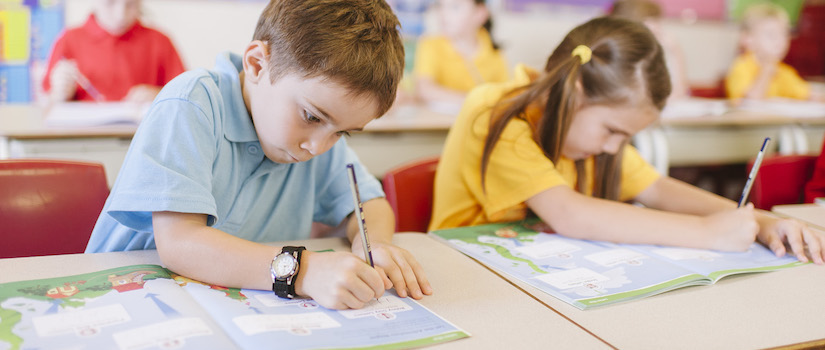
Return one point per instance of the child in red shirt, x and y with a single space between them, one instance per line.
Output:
111 57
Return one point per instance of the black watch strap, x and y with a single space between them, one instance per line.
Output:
286 288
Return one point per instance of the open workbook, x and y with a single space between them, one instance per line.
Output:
588 274
149 307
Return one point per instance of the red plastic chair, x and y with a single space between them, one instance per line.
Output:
48 206
409 189
781 180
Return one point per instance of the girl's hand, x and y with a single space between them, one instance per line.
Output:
732 230
399 267
338 280
775 232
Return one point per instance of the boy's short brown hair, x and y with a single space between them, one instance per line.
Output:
352 42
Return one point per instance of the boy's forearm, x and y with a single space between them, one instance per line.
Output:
209 255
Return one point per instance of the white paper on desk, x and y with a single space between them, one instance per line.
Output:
694 107
85 114
785 107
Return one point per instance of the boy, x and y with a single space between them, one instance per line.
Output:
759 73
111 57
252 152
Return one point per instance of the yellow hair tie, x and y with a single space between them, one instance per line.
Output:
583 52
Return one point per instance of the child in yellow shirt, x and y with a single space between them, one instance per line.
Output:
759 73
555 143
462 57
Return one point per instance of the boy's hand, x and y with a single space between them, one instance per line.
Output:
733 230
63 81
397 264
775 232
338 280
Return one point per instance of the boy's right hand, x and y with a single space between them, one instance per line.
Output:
339 280
732 230
63 81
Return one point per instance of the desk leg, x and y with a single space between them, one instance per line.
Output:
792 140
786 141
5 147
661 149
652 146
800 138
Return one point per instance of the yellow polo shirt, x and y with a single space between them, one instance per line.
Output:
518 168
436 58
786 83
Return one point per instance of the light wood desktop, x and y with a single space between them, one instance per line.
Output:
731 137
496 314
813 214
406 133
773 309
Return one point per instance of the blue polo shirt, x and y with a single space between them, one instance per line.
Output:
197 152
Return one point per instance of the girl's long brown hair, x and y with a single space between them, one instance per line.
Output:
627 65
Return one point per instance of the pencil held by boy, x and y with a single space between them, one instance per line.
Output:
254 151
111 57
462 56
759 72
555 143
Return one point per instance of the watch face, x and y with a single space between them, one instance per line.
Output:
284 265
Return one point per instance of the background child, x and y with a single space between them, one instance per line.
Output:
759 73
555 144
464 55
111 57
252 151
650 13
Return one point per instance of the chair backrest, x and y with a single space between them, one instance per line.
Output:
409 189
48 206
781 180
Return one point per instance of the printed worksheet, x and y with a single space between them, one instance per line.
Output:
149 307
587 274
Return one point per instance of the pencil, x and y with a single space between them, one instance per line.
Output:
754 171
359 214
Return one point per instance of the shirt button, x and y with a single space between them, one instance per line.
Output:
252 149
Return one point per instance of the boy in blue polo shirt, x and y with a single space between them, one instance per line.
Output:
252 151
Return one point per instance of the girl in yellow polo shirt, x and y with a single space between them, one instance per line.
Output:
555 144
462 57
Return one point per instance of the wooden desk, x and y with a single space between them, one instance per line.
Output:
739 312
813 214
24 134
732 137
404 134
496 314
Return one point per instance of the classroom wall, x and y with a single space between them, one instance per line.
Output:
202 29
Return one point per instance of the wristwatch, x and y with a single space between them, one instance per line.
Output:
284 271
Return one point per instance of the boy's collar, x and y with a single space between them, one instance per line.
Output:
92 27
239 126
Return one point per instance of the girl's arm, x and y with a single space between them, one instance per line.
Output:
573 214
189 247
403 271
773 231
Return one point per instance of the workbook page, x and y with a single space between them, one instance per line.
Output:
132 307
258 319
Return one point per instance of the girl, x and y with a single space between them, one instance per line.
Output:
555 144
464 56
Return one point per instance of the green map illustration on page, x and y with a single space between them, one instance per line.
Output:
588 274
149 307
